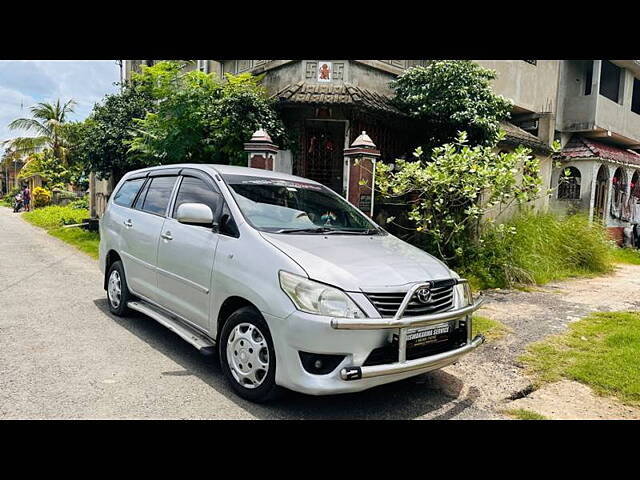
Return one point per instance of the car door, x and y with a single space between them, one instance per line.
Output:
186 253
143 226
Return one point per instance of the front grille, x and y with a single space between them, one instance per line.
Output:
441 300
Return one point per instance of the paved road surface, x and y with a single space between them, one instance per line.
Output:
63 355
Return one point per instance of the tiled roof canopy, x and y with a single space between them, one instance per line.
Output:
516 136
580 147
344 94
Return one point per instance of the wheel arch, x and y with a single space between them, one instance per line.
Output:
230 305
110 259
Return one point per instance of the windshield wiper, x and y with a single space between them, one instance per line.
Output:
331 231
305 230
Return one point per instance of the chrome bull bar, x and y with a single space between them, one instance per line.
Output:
403 324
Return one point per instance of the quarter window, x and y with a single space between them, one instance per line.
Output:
128 192
194 190
158 195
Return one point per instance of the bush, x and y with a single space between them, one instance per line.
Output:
55 216
80 204
41 197
536 249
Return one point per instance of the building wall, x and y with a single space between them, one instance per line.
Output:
532 88
541 204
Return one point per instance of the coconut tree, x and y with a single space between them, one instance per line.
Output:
48 125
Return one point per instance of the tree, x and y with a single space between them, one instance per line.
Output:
450 194
103 146
201 118
47 122
450 96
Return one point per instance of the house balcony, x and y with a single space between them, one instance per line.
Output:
599 99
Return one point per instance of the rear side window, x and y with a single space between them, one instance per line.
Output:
158 195
128 192
194 190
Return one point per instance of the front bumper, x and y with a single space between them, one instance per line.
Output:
404 323
356 339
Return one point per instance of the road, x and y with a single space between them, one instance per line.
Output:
64 356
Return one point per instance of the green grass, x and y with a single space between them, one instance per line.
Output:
492 329
80 238
55 216
601 350
523 414
52 219
626 255
542 248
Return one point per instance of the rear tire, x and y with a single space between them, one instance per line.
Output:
117 291
247 356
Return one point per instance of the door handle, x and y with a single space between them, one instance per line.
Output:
167 236
128 223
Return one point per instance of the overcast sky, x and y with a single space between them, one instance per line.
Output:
26 82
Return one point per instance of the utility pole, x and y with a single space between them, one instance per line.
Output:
119 62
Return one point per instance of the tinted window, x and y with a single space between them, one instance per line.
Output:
143 194
274 205
194 190
128 192
158 195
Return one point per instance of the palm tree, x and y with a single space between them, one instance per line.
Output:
47 123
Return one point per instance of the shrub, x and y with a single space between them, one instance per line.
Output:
41 197
538 248
454 189
55 216
80 204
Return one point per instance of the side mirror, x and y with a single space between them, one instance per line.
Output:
195 214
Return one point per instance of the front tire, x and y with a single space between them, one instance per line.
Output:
247 356
118 294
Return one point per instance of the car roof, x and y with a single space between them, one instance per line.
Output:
231 170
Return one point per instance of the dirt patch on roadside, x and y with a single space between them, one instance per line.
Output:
493 369
568 400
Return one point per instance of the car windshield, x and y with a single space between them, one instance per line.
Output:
285 206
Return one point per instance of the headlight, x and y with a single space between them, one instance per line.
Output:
465 296
463 292
317 298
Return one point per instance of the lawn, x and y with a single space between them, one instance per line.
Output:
601 350
523 414
53 218
492 329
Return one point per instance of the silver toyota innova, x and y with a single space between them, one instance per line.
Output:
287 282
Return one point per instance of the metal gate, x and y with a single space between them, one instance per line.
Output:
322 154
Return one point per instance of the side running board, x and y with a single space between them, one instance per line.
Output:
203 343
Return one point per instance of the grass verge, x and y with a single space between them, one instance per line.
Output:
52 219
601 351
523 414
536 249
80 238
626 255
492 329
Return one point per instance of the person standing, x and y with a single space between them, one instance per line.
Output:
26 198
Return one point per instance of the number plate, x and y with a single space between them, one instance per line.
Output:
424 335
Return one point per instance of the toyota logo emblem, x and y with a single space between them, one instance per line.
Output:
423 294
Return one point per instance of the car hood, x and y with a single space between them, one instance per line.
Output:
354 262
